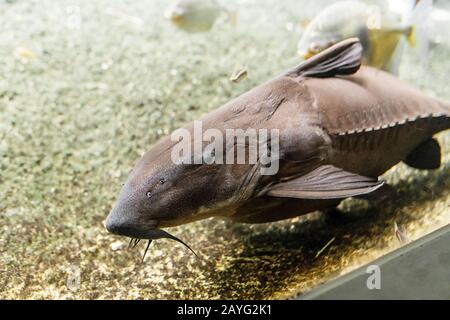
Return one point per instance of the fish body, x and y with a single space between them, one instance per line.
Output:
196 15
379 29
379 123
340 127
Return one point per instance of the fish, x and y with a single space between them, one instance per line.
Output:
380 27
339 125
196 16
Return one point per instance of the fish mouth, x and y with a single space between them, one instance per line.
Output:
150 233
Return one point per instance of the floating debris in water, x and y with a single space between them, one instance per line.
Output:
117 245
239 75
400 234
430 191
324 247
106 64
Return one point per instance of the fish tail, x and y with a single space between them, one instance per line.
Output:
411 37
415 22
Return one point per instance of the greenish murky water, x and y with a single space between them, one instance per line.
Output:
87 86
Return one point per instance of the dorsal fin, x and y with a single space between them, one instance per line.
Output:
344 58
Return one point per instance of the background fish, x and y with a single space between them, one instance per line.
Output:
197 15
381 27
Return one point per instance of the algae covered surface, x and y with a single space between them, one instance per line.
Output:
87 86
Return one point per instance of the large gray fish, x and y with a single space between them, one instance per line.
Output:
340 127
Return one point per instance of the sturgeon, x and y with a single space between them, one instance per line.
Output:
341 125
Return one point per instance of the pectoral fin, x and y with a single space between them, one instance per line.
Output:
344 58
426 156
325 182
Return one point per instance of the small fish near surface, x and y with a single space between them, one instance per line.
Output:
340 126
197 15
379 27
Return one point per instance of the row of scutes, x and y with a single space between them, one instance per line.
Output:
393 125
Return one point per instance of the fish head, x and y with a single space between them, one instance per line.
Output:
311 45
162 192
175 15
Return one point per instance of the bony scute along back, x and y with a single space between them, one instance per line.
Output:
319 161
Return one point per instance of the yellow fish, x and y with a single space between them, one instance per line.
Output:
197 15
379 27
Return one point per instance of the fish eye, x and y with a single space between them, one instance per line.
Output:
149 194
162 180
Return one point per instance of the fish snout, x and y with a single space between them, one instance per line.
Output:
127 225
116 225
113 225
